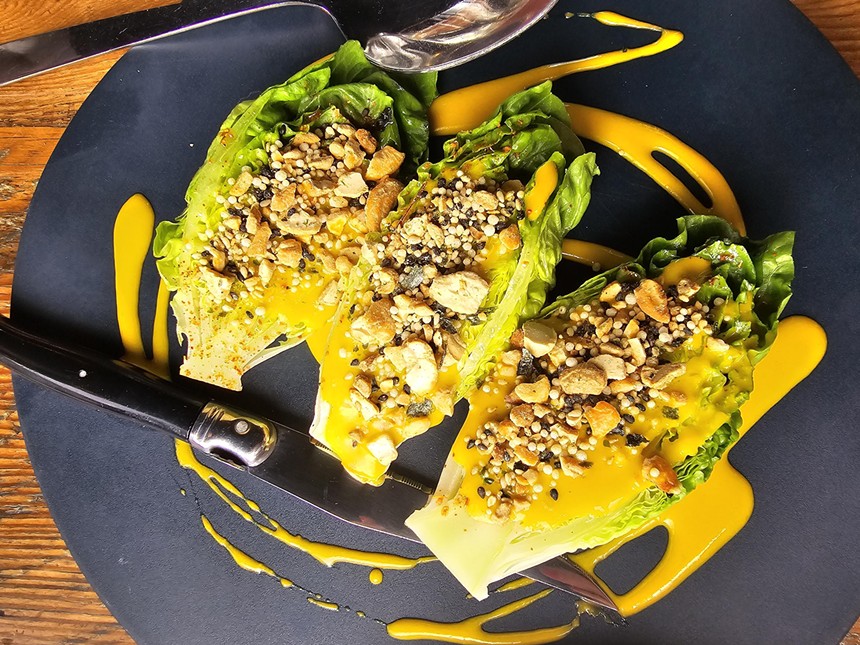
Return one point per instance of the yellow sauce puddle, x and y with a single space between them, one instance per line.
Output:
715 511
471 630
698 527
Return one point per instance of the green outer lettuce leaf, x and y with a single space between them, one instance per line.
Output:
343 87
529 129
741 266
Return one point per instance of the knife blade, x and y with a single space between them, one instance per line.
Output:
274 453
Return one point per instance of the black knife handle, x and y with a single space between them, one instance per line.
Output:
109 384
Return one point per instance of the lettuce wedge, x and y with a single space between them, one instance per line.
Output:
470 249
614 403
278 212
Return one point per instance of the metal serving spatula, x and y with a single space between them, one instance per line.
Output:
277 454
415 36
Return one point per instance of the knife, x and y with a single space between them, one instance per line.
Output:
404 36
281 456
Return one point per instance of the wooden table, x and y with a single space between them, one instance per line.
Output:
44 598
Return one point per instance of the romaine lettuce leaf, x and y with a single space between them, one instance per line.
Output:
747 284
529 131
341 89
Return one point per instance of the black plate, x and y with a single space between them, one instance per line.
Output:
754 87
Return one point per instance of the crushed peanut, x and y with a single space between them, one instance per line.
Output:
582 377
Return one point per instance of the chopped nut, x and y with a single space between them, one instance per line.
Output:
385 162
632 329
363 384
528 457
516 339
353 154
613 366
329 295
522 415
289 253
510 237
627 384
421 371
305 137
652 300
585 378
462 292
366 140
387 280
612 349
687 288
602 418
322 163
663 375
380 201
242 184
511 357
302 223
368 409
336 149
336 220
485 200
658 471
218 284
538 338
637 351
382 447
376 325
610 292
343 265
571 467
219 259
266 271
284 200
351 185
257 248
454 345
536 392
327 260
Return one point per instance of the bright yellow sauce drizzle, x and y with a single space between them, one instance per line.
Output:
375 576
132 233
448 113
698 527
470 631
546 179
327 554
513 585
596 256
636 142
715 511
324 604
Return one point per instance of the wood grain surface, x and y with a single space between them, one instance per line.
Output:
44 598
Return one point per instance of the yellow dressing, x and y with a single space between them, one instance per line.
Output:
241 558
465 108
324 604
470 631
596 256
702 523
131 236
695 269
715 511
636 141
375 576
546 180
326 554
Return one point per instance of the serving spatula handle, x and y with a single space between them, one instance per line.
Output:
96 379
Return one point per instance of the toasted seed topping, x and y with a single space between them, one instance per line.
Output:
426 271
303 209
583 378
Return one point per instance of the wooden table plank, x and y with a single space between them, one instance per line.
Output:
44 599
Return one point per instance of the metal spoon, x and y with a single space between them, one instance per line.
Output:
401 36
